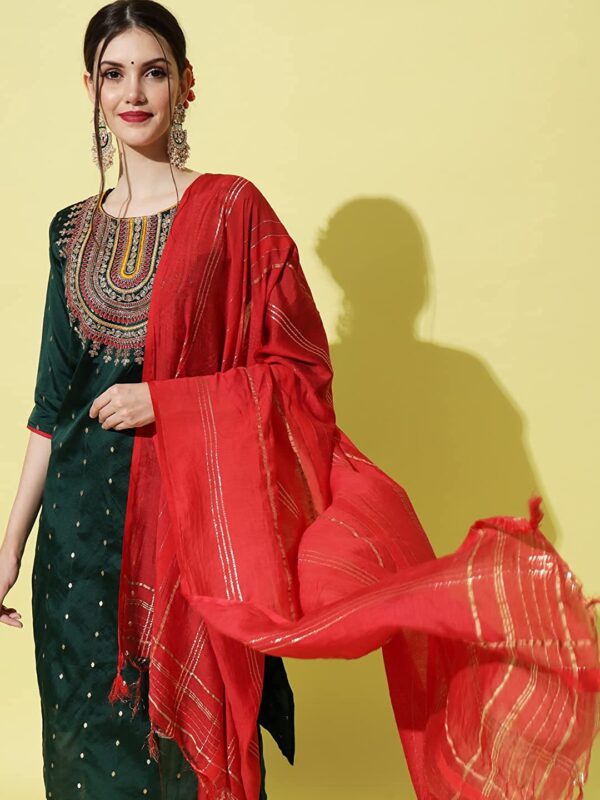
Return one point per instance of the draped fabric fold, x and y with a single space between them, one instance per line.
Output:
256 527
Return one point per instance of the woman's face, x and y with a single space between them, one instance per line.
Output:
133 79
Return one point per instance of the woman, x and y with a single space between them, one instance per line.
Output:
255 529
91 359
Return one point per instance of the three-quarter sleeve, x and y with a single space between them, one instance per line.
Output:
55 362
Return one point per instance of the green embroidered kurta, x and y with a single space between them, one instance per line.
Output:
93 333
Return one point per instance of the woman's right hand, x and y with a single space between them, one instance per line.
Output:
9 572
25 508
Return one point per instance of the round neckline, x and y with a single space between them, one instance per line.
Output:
106 192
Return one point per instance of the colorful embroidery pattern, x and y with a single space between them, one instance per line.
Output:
110 264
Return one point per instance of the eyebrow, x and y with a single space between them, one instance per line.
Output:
145 64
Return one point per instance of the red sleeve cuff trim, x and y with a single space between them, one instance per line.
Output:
41 433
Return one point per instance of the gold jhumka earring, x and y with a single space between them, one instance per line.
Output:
178 148
107 149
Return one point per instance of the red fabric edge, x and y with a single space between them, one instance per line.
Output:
41 433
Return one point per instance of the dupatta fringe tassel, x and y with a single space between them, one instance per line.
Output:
119 689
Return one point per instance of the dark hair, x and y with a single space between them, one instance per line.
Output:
119 16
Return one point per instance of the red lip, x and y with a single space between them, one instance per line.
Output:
135 116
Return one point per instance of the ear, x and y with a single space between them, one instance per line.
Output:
185 83
89 86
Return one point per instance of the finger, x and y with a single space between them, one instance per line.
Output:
111 420
15 623
93 409
105 412
98 403
10 611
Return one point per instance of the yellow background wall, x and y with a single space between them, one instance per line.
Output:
437 164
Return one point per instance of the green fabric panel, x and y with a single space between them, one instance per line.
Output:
92 749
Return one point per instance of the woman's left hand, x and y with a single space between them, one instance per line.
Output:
123 405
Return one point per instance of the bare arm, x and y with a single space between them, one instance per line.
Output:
56 363
23 514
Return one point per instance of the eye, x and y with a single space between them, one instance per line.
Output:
152 71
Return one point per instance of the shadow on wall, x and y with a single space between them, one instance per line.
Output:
433 417
439 422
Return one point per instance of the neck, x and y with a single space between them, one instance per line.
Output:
145 173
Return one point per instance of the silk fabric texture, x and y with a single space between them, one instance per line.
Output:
490 653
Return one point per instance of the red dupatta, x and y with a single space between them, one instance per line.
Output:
254 525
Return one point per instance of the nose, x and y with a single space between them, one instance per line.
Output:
134 92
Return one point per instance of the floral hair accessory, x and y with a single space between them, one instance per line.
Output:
190 95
